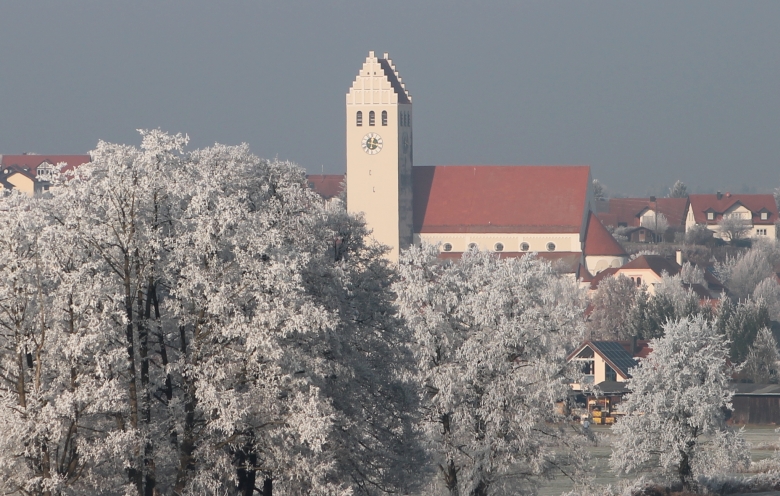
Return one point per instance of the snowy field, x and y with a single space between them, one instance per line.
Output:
764 440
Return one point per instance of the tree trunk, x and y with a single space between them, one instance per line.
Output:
481 489
268 487
450 475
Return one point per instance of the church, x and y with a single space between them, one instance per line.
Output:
510 210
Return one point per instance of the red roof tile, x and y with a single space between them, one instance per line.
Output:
598 241
327 185
626 211
500 198
31 162
755 203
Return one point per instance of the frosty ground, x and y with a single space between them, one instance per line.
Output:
764 441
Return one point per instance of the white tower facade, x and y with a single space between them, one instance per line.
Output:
379 153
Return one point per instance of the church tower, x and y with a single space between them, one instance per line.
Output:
379 153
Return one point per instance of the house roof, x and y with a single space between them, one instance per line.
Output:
598 241
326 185
613 354
656 263
627 210
459 198
30 163
744 389
720 203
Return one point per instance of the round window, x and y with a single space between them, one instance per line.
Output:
524 246
550 246
446 247
473 246
498 247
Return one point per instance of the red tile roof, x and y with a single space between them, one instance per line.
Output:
31 162
598 241
500 198
326 185
700 204
626 211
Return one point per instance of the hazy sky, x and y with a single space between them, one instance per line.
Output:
643 92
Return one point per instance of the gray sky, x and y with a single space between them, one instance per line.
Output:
644 92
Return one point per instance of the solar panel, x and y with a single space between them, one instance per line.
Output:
616 354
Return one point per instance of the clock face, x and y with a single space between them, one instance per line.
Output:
372 143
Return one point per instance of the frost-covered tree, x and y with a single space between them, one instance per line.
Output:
733 228
678 190
698 234
743 272
599 190
740 323
672 301
169 329
657 223
768 291
491 337
612 303
761 364
674 418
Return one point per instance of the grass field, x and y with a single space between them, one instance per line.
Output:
764 441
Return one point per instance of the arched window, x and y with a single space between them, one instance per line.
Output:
384 117
499 247
446 247
524 246
371 118
550 246
638 281
359 118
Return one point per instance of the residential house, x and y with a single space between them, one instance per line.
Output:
31 174
758 212
636 212
648 270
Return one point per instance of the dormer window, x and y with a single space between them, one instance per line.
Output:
710 215
359 118
384 117
764 215
371 118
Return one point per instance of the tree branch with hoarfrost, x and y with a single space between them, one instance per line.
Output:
491 337
674 420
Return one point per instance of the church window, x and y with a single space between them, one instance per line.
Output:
446 247
359 118
550 246
473 246
638 281
499 247
371 118
524 246
384 117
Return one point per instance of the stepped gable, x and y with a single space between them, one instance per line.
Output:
30 163
598 241
500 199
378 83
326 185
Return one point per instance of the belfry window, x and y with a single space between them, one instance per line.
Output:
371 118
384 117
359 118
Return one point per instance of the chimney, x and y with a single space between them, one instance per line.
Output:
719 195
678 257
